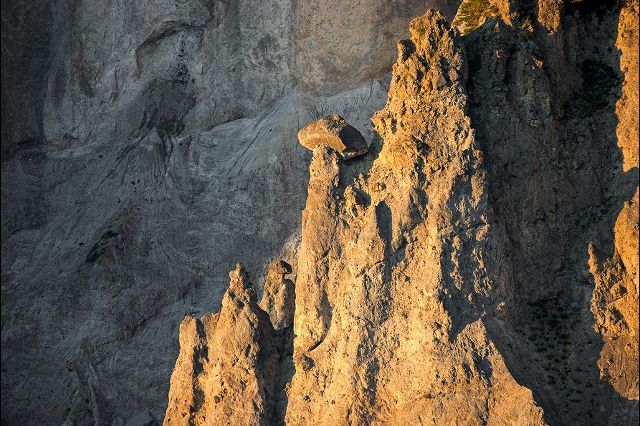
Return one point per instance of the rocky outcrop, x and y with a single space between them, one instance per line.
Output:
615 303
615 296
336 43
479 266
227 369
483 268
472 14
142 155
237 58
334 132
397 268
278 294
546 94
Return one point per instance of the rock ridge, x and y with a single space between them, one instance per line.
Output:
428 287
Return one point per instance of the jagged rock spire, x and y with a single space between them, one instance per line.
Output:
278 294
227 369
398 267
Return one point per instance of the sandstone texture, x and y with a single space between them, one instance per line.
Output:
398 267
278 294
227 364
478 266
482 267
146 147
334 132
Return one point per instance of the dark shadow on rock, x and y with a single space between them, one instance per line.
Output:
286 369
384 223
556 184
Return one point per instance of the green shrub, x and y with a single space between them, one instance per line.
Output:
473 13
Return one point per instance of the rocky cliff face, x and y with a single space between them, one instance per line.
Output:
189 64
556 81
397 269
480 265
229 364
146 147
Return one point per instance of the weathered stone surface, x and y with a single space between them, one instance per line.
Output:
278 294
396 267
227 369
501 212
334 132
163 221
456 278
472 14
137 140
615 296
546 99
141 136
69 67
337 43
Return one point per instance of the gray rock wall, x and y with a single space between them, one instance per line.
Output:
146 146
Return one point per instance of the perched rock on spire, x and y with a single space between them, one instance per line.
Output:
334 132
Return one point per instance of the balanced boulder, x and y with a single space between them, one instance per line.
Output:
333 131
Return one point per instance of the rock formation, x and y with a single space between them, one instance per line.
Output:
479 266
278 294
472 14
461 277
334 132
547 94
397 269
228 366
615 297
146 147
